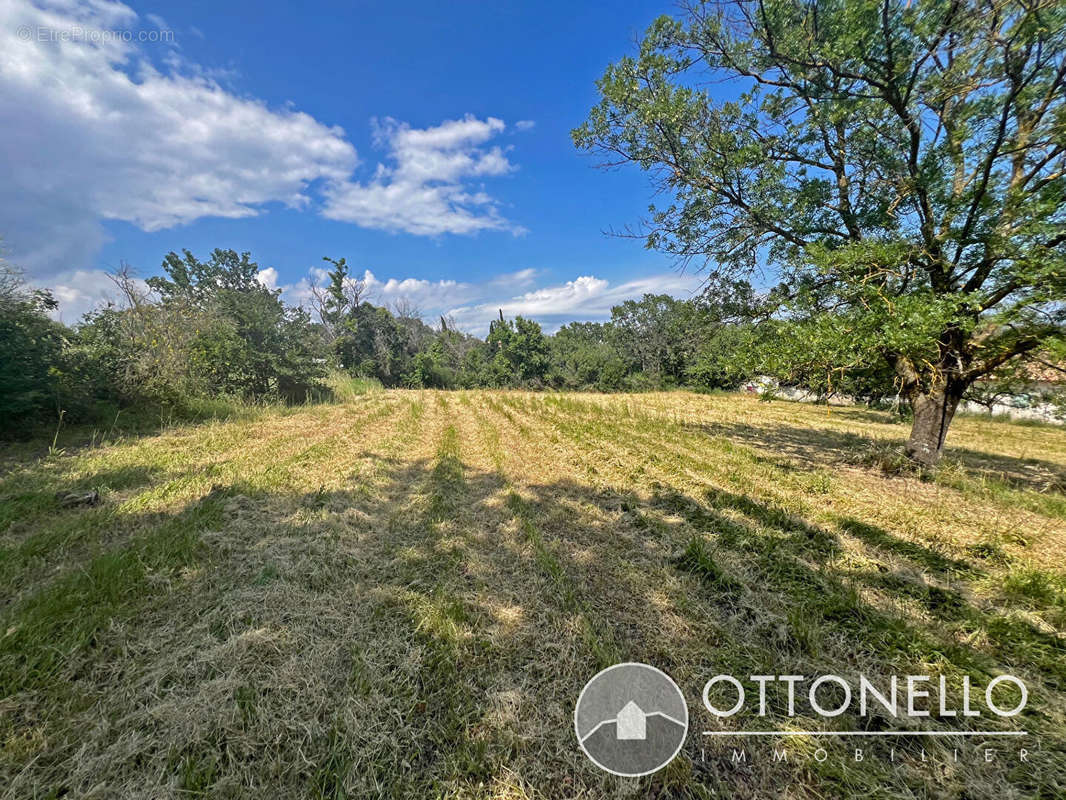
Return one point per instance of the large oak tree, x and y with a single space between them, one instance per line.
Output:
898 166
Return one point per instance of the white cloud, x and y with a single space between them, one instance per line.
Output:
557 299
299 293
515 280
584 298
472 305
82 290
428 191
268 277
92 131
421 293
427 296
524 124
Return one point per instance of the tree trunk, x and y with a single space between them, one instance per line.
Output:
933 412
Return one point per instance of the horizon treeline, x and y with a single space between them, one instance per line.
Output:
208 331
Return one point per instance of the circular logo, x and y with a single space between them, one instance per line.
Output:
631 719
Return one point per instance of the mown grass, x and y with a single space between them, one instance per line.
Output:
401 594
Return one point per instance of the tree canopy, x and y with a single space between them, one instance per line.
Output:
897 165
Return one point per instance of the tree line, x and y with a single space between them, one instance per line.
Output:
208 329
207 332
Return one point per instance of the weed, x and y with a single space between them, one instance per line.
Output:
698 560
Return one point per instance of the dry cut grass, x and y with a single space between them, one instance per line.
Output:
402 595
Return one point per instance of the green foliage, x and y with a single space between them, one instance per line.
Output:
520 353
723 359
32 350
824 354
427 372
213 334
211 331
1009 381
346 388
250 344
140 354
655 334
584 356
899 167
208 332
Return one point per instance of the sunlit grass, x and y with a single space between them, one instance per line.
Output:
400 594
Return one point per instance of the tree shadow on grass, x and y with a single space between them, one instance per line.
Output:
795 559
410 580
824 447
921 556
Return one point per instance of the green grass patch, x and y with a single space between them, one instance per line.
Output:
49 630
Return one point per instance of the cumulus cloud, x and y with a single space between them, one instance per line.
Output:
268 277
472 305
421 293
586 297
82 290
93 131
430 187
430 297
557 299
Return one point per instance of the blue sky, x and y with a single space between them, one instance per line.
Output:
425 142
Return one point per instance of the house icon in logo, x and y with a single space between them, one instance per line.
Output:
631 719
631 723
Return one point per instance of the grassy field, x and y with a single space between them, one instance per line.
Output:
401 596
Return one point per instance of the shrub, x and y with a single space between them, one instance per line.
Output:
31 353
